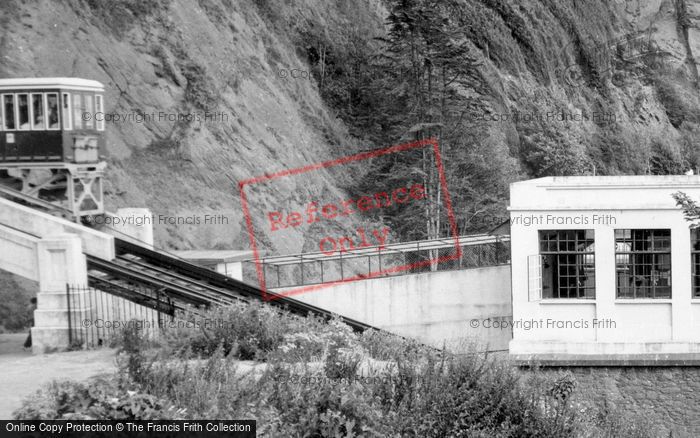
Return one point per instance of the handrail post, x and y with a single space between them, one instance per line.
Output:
301 266
70 329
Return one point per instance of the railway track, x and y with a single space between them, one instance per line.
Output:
178 284
190 283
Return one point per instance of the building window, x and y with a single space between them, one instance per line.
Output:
643 260
695 255
568 263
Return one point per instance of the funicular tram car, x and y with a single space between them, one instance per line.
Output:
51 135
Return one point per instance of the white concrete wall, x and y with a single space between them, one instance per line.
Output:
61 262
437 308
131 224
18 253
40 224
640 325
232 269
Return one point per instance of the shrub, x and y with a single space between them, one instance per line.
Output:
244 331
425 393
101 398
16 314
200 91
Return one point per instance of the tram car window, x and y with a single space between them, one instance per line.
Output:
52 111
65 110
38 112
88 109
77 111
8 111
23 111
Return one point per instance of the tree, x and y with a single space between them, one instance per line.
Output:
432 63
691 210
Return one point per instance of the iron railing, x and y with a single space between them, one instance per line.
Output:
96 318
394 259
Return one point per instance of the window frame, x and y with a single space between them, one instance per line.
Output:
99 124
90 122
67 122
29 111
695 262
77 111
630 254
14 113
560 255
58 111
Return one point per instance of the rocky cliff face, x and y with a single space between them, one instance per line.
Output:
167 58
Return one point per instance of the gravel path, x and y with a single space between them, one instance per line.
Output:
22 373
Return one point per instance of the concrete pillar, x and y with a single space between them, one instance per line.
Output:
61 261
681 283
605 281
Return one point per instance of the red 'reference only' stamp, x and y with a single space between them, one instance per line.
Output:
328 214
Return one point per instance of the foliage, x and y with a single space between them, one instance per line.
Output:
691 209
16 312
101 398
444 64
603 420
200 92
665 159
423 393
680 99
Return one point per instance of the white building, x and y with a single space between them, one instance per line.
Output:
604 269
228 262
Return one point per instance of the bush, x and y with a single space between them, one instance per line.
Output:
16 313
423 393
200 92
243 331
101 398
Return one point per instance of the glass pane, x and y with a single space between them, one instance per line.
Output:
646 273
38 121
9 103
65 110
23 110
98 111
88 111
52 110
77 112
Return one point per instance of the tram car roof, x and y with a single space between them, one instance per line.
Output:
43 83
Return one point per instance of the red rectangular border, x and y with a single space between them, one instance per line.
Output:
268 296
